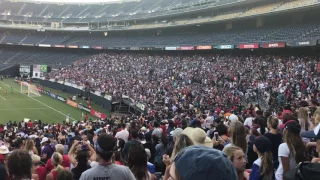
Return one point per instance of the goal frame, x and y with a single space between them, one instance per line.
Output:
27 87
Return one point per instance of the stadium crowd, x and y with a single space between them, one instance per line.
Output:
200 80
196 127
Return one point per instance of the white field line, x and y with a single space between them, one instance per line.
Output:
13 109
20 99
3 97
41 102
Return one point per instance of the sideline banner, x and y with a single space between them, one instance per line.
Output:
248 46
98 114
302 43
274 45
225 47
170 48
186 48
72 103
204 47
84 108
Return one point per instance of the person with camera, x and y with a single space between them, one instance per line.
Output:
79 156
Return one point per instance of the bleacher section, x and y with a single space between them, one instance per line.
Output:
235 36
135 10
45 56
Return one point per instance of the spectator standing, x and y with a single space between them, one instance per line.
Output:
47 150
56 160
202 163
275 138
19 165
134 140
238 158
292 151
149 145
262 168
106 168
161 149
123 134
238 136
65 159
30 147
3 152
137 162
39 170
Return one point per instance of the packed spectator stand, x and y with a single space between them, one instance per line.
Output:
215 114
195 131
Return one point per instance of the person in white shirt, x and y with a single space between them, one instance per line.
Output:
292 151
249 120
123 134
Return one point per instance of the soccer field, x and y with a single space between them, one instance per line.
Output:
18 106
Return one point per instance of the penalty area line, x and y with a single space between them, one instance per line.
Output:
3 97
41 102
14 109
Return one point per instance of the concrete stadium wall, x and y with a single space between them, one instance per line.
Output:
106 104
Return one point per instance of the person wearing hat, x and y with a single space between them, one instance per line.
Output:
202 163
262 168
47 150
3 152
292 151
106 169
198 136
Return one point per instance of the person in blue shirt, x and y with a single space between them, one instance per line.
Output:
262 168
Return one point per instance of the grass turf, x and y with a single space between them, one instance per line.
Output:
18 106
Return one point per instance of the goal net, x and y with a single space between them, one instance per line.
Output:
29 89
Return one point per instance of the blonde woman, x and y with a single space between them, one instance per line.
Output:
30 147
56 160
304 120
275 137
238 136
310 133
238 159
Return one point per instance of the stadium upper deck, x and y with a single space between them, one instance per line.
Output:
138 15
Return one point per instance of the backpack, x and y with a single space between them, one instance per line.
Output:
305 171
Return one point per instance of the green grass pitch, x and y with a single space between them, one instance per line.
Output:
18 106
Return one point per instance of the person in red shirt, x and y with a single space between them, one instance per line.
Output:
30 124
39 170
65 159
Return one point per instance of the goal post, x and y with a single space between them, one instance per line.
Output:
29 89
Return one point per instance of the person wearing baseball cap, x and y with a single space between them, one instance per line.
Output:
262 168
202 163
106 169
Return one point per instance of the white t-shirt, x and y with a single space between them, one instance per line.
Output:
266 130
248 122
284 151
123 134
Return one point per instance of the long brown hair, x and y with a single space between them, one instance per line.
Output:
29 144
238 135
266 165
182 142
303 118
296 146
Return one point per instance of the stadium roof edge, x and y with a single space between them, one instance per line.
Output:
74 2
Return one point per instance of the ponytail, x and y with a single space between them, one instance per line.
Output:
56 160
59 168
266 166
